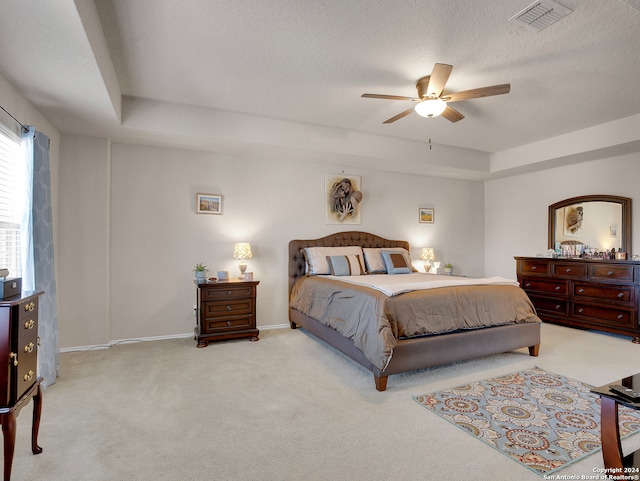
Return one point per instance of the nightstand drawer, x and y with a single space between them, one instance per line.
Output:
228 324
228 292
232 307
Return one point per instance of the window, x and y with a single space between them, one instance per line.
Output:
10 212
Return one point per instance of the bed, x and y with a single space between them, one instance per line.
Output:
358 318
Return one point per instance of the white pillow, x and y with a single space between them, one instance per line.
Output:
317 263
374 262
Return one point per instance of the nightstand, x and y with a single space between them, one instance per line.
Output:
226 310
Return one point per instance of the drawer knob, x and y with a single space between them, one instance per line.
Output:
28 376
228 323
620 316
557 288
528 284
228 308
29 324
29 347
580 310
533 268
580 291
610 273
558 307
229 292
30 307
568 269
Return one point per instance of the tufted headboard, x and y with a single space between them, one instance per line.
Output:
339 239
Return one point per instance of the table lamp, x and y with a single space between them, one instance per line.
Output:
427 255
241 252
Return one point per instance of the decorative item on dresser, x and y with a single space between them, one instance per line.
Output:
18 382
226 310
585 293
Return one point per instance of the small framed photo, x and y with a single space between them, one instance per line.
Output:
425 216
209 203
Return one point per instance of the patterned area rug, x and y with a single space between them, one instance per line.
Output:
542 420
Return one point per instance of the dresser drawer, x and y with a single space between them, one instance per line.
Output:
550 306
604 315
611 271
231 307
28 308
572 270
227 324
603 291
228 292
534 267
558 287
27 356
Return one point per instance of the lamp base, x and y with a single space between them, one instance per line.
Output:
243 268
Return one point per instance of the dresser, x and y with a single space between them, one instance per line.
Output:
226 310
19 382
585 293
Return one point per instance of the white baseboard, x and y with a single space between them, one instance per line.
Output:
146 339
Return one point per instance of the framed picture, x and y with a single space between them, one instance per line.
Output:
425 216
208 203
343 199
613 231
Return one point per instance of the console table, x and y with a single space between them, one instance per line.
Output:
585 293
615 462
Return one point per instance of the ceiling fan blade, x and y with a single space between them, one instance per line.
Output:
478 93
399 116
452 114
439 77
387 97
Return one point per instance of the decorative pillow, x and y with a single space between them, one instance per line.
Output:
317 263
375 263
345 265
396 263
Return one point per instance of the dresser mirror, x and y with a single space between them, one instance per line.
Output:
599 222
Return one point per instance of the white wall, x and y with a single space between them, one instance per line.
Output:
129 217
516 208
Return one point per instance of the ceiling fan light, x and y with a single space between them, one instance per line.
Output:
430 107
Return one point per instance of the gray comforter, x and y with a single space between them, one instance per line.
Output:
375 321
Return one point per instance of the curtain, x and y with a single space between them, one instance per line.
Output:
38 263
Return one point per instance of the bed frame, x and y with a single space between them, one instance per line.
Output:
414 353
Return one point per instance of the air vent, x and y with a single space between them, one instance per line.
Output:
540 14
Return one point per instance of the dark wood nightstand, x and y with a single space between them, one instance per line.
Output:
226 310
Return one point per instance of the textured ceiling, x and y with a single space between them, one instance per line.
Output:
308 62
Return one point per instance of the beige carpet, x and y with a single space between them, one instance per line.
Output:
284 408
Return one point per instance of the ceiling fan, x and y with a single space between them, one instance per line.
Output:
432 101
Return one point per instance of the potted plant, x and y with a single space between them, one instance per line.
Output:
201 272
448 268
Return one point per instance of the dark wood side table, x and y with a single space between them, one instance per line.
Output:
226 310
614 461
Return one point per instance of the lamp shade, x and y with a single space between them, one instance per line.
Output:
427 254
430 107
242 250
